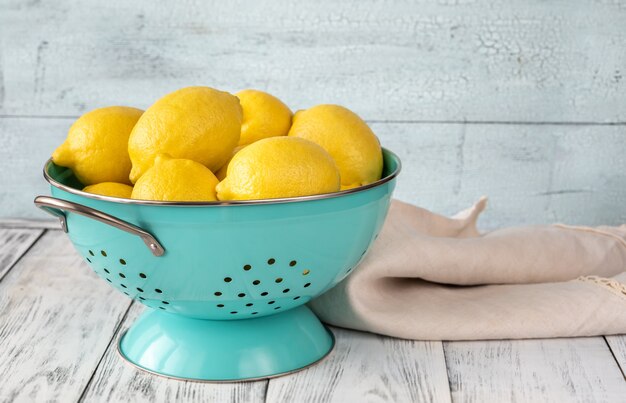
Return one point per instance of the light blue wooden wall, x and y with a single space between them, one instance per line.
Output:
524 101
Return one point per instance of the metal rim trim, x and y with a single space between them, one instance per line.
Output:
379 182
260 378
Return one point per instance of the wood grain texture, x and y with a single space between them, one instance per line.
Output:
553 370
56 320
25 146
532 173
13 244
617 344
490 60
117 381
369 368
18 223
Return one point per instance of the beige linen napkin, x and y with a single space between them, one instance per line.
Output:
430 277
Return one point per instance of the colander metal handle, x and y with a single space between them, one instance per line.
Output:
58 207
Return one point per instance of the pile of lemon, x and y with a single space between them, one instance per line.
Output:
202 144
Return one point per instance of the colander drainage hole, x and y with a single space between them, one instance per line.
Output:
286 290
256 282
142 275
247 267
122 275
271 302
293 263
157 291
279 280
142 298
220 305
249 304
271 261
306 272
241 295
123 285
91 252
106 271
139 289
227 279
254 313
161 308
264 293
109 280
126 293
123 262
89 260
298 297
277 308
165 302
306 285
233 312
103 253
217 293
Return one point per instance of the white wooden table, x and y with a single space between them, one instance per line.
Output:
59 324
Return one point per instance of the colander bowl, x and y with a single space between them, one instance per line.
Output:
226 282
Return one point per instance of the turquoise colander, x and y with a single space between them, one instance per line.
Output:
226 283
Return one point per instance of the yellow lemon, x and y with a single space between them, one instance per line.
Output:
112 189
175 179
279 167
264 116
96 147
346 137
197 123
221 173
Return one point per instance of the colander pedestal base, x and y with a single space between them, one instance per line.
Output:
226 350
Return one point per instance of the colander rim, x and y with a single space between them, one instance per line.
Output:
281 200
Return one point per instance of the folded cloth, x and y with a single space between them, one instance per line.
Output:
428 277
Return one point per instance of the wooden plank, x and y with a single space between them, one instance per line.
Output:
551 370
617 344
406 60
532 173
117 381
56 320
19 223
13 244
27 144
367 367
